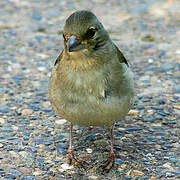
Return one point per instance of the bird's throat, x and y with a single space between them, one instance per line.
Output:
80 61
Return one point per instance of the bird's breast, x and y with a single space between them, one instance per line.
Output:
80 96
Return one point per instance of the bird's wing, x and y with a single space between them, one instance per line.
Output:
121 57
58 58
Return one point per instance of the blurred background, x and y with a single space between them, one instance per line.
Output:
32 138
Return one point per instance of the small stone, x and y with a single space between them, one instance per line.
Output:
24 170
176 172
14 154
123 166
46 109
22 50
160 100
133 112
15 172
138 173
176 107
140 107
31 43
66 167
46 104
26 112
61 148
127 177
15 128
28 178
41 68
176 88
60 121
44 56
157 107
120 170
149 119
1 145
36 15
4 109
5 161
2 121
37 173
150 60
161 53
166 67
159 117
10 176
33 149
168 166
94 176
152 178
174 160
134 129
119 161
89 150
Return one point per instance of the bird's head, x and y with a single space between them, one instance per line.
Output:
84 32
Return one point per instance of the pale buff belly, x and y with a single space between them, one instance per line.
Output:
93 112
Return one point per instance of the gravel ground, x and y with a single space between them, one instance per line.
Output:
33 140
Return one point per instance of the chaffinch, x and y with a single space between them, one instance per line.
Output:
91 83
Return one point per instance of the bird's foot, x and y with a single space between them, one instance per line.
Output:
71 157
106 167
75 161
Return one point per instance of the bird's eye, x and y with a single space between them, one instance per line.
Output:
91 32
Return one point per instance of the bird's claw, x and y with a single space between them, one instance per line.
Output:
106 167
76 162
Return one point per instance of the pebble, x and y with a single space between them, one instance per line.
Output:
94 176
161 53
4 110
140 107
166 67
152 178
15 172
33 149
1 145
28 178
89 150
119 161
60 121
157 107
65 167
149 119
133 112
176 172
10 177
61 148
176 88
26 112
158 116
36 15
123 166
174 160
2 121
160 100
138 173
37 172
24 170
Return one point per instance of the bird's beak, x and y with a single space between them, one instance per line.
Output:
74 44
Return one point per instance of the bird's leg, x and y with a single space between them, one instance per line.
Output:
70 149
72 159
111 155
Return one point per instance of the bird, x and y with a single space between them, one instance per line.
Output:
91 83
